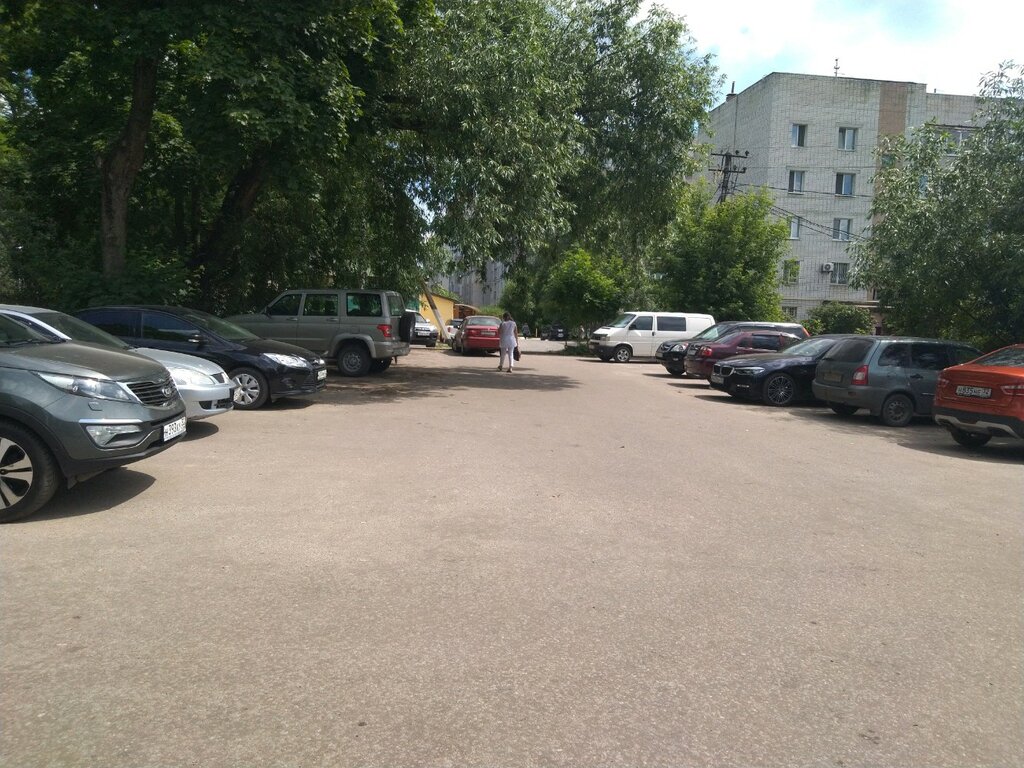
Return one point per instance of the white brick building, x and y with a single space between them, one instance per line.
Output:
812 143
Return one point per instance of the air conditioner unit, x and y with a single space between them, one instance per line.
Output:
828 266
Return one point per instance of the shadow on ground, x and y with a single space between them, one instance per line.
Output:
98 494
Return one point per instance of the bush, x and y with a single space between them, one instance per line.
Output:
833 317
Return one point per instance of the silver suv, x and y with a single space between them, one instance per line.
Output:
363 330
69 411
893 377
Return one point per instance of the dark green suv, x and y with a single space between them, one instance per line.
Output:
68 411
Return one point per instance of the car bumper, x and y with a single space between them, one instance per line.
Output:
477 342
858 397
993 424
83 458
204 402
293 382
382 350
699 368
424 338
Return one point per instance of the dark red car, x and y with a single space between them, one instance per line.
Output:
477 332
984 398
701 357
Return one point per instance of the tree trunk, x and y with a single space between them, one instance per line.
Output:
120 164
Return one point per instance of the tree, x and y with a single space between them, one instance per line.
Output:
834 317
722 258
946 253
583 291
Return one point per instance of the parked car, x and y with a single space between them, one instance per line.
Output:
983 398
69 411
672 353
893 377
202 384
702 356
424 332
362 330
638 334
779 378
262 369
453 325
554 332
479 332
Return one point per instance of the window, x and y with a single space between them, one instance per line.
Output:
794 228
771 342
929 357
643 323
320 305
791 272
160 327
850 351
119 322
894 356
840 273
364 305
848 138
956 135
666 323
844 184
798 135
286 306
796 181
841 229
790 312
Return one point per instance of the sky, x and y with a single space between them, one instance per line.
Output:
946 44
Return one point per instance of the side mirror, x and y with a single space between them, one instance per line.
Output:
632 327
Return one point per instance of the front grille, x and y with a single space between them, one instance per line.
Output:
158 392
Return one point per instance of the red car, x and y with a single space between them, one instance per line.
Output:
984 398
478 332
701 358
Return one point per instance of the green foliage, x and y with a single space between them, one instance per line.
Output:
947 250
491 309
582 290
722 258
834 317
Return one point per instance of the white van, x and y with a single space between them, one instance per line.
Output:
638 334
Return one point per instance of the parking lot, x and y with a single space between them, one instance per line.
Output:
578 563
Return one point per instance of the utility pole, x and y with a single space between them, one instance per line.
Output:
728 170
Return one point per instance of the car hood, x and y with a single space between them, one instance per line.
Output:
767 357
280 347
193 363
76 359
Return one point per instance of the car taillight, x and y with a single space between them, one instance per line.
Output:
860 376
385 329
1013 389
943 381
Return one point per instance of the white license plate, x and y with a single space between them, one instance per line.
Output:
974 391
321 374
832 376
717 378
174 429
488 333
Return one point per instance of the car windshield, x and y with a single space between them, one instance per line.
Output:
1010 357
621 321
483 320
712 333
216 325
420 318
14 334
79 330
811 347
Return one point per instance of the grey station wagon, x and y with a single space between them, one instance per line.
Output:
893 377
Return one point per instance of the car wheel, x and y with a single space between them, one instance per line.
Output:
677 372
379 366
354 360
843 409
969 439
897 411
28 473
779 389
252 391
622 354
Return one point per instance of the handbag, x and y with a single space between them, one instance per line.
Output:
515 353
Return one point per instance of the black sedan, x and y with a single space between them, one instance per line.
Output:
777 378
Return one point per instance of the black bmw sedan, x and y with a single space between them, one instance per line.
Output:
778 378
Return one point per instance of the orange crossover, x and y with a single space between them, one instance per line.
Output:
984 398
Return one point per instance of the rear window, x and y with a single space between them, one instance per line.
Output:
366 305
1010 357
396 304
483 320
667 323
850 351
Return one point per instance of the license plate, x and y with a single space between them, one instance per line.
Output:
832 376
974 391
488 333
717 378
174 429
321 374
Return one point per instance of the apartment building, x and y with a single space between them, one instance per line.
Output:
811 141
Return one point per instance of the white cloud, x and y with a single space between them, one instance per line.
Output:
946 44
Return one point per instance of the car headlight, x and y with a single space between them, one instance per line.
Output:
290 361
754 371
189 377
97 388
678 348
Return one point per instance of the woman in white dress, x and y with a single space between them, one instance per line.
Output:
508 340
